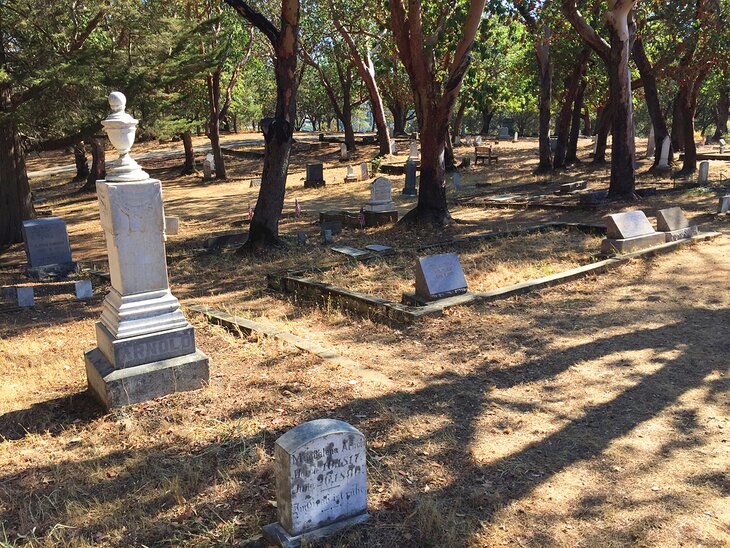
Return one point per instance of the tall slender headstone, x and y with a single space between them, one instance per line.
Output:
413 151
393 148
364 175
145 346
411 181
704 174
515 137
664 155
344 155
651 144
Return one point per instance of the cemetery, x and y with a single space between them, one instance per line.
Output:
271 275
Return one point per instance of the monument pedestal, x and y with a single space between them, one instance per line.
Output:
278 536
380 218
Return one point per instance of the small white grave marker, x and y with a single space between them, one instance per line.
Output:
664 156
704 174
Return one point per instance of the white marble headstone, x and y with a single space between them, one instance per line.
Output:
664 156
364 175
704 175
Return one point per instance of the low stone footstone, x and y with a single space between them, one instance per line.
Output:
25 296
664 155
567 188
704 175
593 198
364 174
47 248
10 292
321 482
315 176
410 188
628 232
378 248
83 290
724 205
674 224
350 177
349 251
438 277
172 225
327 235
255 183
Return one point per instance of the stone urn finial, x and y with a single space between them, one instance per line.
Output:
121 127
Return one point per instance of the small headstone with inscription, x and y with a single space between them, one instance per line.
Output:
628 232
321 482
83 290
438 277
674 224
724 205
704 174
350 177
315 176
380 196
364 174
413 151
664 155
411 180
47 248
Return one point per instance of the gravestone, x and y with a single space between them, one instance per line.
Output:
724 205
468 140
321 482
255 183
674 224
350 177
651 144
315 176
554 145
378 248
438 277
411 181
723 144
327 235
344 155
595 146
664 155
413 152
515 137
594 198
145 346
172 225
393 148
478 140
704 175
208 164
334 226
349 251
381 198
364 174
568 188
504 132
302 237
628 232
83 290
25 296
456 180
47 248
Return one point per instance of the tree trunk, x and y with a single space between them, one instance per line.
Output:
432 206
651 95
678 120
722 109
82 166
398 110
603 128
98 164
16 204
189 166
456 131
213 81
542 52
572 83
449 160
347 124
623 148
486 121
587 128
235 123
571 154
689 108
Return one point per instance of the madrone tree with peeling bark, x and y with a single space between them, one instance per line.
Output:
433 41
278 131
615 54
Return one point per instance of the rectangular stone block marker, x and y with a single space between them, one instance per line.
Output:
315 176
47 247
439 276
321 482
628 232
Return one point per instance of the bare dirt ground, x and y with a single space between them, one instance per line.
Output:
595 413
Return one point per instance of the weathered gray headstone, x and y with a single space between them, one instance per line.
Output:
364 175
378 248
413 151
381 196
47 247
627 225
393 147
350 176
315 176
664 155
344 155
704 174
321 482
724 205
25 296
411 181
83 289
457 140
674 224
439 276
504 132
172 225
327 235
723 144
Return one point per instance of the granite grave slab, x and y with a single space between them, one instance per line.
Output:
47 248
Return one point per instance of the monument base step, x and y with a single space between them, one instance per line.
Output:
380 218
60 270
119 387
154 347
681 233
412 299
611 246
278 536
313 184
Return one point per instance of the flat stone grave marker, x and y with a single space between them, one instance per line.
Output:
83 290
567 188
724 205
439 276
378 248
25 296
503 197
627 225
321 482
349 251
47 247
674 224
315 176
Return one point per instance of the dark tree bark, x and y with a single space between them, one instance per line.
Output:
264 228
678 121
571 154
603 128
572 84
98 164
587 126
82 166
456 130
687 101
651 95
400 117
189 166
487 116
542 52
722 110
213 82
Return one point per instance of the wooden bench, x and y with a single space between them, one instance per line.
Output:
485 153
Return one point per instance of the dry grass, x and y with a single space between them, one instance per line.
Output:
591 414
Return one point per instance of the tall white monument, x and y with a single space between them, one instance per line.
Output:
145 346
